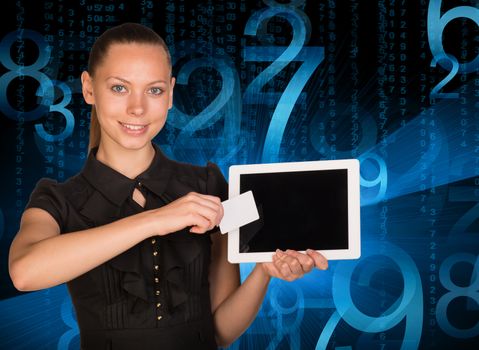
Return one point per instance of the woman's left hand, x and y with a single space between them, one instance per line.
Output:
290 265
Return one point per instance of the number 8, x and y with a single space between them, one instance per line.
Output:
32 71
455 291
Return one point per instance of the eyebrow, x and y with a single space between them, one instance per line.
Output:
127 82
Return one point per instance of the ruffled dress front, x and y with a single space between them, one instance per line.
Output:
156 294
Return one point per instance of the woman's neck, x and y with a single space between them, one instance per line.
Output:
130 163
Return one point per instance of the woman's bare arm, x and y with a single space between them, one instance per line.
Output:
235 306
40 257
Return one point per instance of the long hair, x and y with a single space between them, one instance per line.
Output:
123 34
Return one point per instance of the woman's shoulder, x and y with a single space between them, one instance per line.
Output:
193 170
208 178
57 197
52 186
48 190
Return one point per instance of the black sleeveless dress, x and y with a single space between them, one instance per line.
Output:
156 294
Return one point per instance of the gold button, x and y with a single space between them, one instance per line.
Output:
159 317
156 267
153 241
158 304
157 280
155 253
157 292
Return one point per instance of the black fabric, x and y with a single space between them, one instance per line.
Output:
117 302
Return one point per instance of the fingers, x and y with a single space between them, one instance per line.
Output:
205 200
319 260
197 211
289 267
205 211
307 263
279 268
199 224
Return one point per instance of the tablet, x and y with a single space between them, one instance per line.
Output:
301 205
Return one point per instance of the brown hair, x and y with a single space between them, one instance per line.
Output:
122 34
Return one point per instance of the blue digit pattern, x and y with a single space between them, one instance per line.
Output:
272 81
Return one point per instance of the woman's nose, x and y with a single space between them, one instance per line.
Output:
136 104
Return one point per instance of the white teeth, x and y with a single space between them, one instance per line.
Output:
133 127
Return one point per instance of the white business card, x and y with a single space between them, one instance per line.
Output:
238 211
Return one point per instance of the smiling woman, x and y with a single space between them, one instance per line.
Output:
119 47
131 91
134 235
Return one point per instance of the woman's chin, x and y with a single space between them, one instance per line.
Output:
133 146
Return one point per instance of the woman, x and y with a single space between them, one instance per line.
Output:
133 234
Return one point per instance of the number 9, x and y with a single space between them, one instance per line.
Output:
67 317
409 305
381 179
291 329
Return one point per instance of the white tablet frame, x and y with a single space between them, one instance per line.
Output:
354 228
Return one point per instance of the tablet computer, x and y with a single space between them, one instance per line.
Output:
301 205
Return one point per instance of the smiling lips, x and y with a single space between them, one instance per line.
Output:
133 129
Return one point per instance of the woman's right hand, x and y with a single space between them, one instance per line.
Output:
200 211
39 253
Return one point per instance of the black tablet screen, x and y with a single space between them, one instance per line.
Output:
298 210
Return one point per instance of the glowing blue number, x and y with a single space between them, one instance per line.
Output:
33 71
60 108
455 291
210 114
409 305
319 141
226 104
463 194
45 91
372 176
458 231
454 69
290 329
435 28
311 56
402 178
328 331
68 318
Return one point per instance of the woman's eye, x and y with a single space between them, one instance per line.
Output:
156 91
118 88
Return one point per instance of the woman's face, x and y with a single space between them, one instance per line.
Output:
132 91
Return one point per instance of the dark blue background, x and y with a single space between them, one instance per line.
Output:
392 83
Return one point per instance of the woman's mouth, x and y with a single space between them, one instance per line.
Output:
133 128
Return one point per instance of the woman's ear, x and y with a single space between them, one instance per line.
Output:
87 88
172 85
